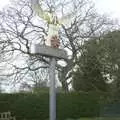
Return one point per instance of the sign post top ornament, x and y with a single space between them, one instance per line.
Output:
53 21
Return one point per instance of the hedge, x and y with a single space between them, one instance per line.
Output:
36 106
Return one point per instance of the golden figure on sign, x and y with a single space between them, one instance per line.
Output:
52 20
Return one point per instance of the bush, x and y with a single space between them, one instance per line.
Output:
76 105
36 106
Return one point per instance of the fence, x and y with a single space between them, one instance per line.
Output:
6 116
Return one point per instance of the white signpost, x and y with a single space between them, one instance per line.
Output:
53 50
53 53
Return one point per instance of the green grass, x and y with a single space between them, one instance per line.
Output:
97 118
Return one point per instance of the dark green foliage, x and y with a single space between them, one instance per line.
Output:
88 74
36 107
76 105
89 77
98 64
32 107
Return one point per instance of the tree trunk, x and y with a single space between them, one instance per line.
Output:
65 86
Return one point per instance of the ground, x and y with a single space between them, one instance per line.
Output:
97 118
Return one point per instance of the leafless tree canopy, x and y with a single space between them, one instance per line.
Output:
20 28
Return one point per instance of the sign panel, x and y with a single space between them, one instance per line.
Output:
50 51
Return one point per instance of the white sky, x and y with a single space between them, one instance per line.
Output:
3 3
110 7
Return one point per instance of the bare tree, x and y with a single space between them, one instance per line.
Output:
20 28
18 32
86 25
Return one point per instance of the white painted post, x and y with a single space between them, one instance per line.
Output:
52 53
52 94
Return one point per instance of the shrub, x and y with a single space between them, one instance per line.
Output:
36 106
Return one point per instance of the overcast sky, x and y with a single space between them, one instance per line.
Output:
110 7
3 3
